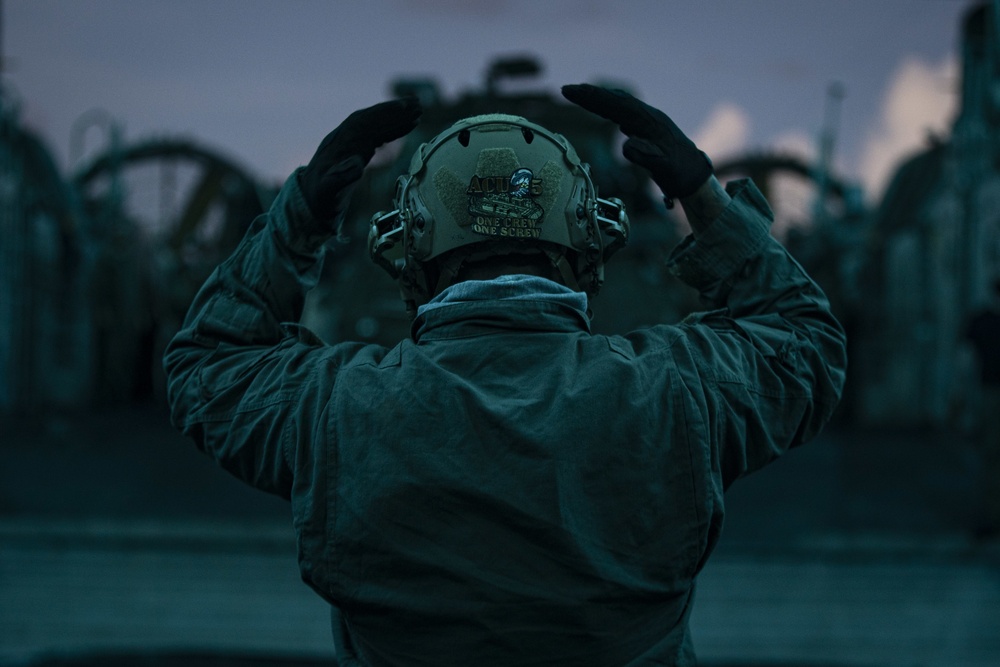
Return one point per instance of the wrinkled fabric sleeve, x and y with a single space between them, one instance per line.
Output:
237 379
770 356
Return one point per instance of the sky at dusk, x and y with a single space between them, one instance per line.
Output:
264 80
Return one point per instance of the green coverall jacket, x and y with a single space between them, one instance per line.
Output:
506 488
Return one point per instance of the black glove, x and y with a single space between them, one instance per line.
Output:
341 157
654 141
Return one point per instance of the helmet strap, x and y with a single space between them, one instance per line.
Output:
558 259
448 271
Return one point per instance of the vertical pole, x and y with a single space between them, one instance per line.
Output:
828 138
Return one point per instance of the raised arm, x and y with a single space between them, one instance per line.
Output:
767 358
242 376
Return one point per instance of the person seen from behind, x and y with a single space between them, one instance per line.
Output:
505 487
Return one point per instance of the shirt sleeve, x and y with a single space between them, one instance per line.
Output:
238 381
769 356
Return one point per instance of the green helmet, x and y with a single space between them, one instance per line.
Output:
495 185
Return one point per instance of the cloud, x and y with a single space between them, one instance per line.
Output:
920 99
725 132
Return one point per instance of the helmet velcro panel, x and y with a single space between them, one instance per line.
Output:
551 176
450 189
496 162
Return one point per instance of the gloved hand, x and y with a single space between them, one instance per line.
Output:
654 141
341 157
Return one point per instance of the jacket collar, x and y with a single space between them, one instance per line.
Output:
512 302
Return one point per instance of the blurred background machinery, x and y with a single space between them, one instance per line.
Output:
934 252
164 213
98 269
43 357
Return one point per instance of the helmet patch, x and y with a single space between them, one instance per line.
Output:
504 206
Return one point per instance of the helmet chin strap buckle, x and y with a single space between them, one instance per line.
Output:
386 241
613 222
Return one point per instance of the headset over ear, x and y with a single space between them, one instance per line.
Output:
495 185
